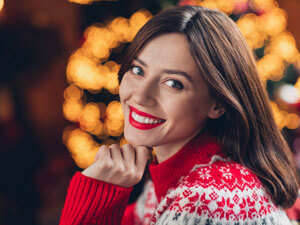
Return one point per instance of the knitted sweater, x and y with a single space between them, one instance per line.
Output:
198 185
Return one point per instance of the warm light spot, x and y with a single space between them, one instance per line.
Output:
66 133
114 111
211 4
85 72
91 112
265 5
112 83
256 40
293 121
89 120
121 29
285 46
274 22
1 4
115 118
73 93
82 2
280 116
271 67
99 41
114 127
227 6
82 147
72 110
297 85
248 24
297 61
137 20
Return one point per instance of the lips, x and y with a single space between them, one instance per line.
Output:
144 126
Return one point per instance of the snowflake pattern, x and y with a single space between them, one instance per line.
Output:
217 194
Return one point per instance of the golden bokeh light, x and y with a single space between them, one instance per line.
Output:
265 5
73 93
90 119
211 4
82 2
82 147
249 26
270 67
137 20
280 116
98 42
85 73
284 45
121 29
114 111
227 6
115 119
297 85
293 121
1 5
72 110
274 22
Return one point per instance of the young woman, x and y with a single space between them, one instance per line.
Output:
190 89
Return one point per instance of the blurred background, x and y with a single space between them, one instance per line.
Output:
59 89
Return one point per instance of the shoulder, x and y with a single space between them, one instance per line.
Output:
222 191
223 175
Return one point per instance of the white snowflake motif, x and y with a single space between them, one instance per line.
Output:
226 173
244 172
205 174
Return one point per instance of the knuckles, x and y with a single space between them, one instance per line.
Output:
130 173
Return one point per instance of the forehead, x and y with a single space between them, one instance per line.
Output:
169 51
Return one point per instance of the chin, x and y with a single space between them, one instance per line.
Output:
134 140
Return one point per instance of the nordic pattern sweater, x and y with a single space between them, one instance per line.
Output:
198 185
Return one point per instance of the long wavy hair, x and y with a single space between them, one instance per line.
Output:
246 131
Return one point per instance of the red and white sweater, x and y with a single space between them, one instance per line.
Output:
198 185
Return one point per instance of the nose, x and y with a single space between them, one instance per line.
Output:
145 94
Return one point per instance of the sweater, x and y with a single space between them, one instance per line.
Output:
197 185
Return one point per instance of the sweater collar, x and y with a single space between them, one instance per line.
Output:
199 150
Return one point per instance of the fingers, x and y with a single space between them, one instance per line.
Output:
128 154
116 153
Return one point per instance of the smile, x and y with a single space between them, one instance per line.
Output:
142 120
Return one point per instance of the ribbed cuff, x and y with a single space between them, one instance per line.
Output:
91 201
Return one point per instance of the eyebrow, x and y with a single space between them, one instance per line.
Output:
168 71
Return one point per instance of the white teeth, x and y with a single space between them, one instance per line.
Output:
145 120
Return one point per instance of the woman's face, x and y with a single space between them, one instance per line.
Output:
163 96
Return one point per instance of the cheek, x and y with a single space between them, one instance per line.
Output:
124 90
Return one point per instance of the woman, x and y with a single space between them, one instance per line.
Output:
189 87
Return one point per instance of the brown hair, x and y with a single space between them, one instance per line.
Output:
247 130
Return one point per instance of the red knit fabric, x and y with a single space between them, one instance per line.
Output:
198 185
90 201
198 151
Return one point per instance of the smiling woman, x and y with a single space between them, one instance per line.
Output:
189 87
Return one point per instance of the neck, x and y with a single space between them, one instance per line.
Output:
164 152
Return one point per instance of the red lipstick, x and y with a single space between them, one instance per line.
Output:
142 126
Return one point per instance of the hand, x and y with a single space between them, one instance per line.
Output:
123 166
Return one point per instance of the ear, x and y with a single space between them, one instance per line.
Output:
216 111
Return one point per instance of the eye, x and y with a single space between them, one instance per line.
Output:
137 70
175 84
